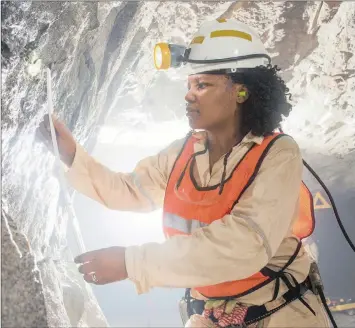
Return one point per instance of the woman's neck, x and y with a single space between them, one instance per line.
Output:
222 140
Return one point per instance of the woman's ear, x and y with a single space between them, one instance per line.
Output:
242 94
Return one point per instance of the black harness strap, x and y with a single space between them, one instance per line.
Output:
277 275
281 275
257 313
254 313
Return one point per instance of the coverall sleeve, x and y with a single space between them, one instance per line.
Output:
236 246
141 190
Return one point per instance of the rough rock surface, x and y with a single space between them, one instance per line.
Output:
100 54
20 280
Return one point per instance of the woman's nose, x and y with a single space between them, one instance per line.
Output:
190 97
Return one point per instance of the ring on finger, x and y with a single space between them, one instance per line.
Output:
94 278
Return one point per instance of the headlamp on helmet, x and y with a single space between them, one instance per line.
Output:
167 55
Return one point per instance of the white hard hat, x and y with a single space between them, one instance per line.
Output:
224 44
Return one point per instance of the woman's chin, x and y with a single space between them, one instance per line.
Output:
195 125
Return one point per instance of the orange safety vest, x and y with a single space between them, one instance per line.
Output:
181 216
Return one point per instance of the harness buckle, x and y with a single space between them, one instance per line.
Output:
315 279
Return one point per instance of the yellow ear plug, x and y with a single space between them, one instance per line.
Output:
242 93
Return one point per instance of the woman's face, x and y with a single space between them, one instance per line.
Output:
211 101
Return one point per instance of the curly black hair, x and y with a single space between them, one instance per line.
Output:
268 99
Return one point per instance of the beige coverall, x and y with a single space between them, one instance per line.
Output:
254 234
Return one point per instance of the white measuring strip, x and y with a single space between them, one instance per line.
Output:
62 181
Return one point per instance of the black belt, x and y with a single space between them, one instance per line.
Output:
255 313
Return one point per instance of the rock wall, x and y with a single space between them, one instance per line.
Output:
20 280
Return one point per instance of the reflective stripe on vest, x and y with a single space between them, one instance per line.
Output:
176 222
